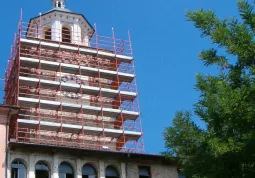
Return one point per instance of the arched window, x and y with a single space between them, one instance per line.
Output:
144 172
88 171
18 169
47 33
111 172
42 170
65 170
66 34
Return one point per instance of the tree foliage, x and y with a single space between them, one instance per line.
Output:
226 148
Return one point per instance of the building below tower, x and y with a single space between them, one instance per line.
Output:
29 160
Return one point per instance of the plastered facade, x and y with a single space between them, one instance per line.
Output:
126 169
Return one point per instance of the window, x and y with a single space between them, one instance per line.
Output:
66 34
88 171
144 172
18 170
47 33
42 170
66 170
111 172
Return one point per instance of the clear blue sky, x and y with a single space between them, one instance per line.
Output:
165 47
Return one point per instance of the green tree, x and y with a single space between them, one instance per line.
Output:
226 148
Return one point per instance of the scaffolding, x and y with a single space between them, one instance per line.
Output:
73 94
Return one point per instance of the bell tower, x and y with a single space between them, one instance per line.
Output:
75 88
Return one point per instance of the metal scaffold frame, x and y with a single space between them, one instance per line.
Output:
74 95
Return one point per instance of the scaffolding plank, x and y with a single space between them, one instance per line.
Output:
74 69
75 108
70 87
70 128
81 49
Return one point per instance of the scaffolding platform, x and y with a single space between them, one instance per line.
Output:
89 90
76 108
81 49
69 128
74 69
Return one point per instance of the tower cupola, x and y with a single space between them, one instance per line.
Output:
59 3
62 25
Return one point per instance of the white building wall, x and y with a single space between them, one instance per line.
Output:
55 31
55 166
76 33
123 170
31 166
79 168
101 169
